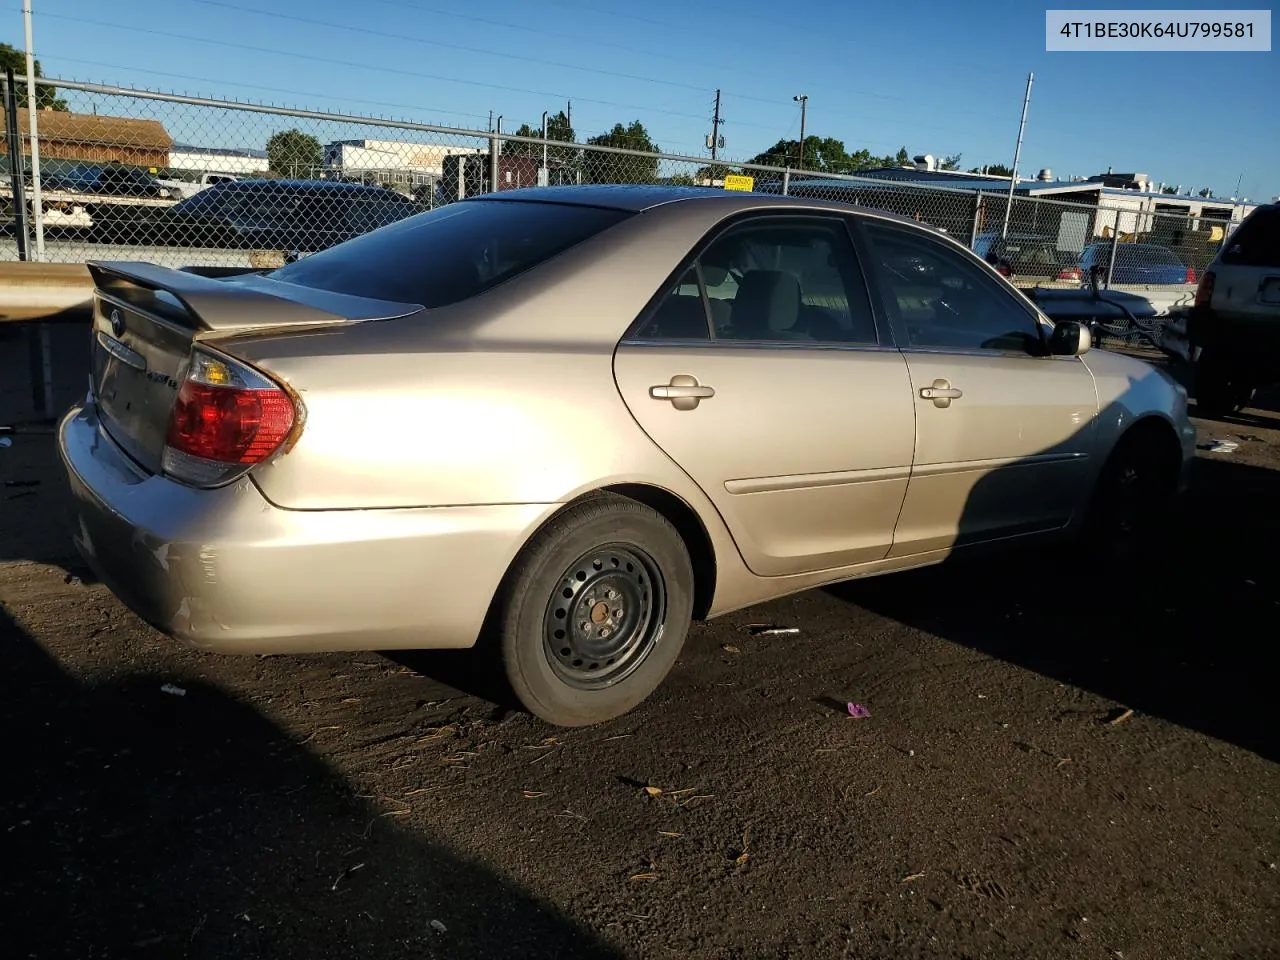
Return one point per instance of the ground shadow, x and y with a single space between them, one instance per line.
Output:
1190 641
146 823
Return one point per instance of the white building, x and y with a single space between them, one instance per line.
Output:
184 156
409 163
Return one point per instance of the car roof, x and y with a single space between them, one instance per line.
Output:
637 198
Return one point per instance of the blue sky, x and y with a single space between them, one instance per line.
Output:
933 76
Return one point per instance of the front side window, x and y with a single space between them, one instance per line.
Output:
940 300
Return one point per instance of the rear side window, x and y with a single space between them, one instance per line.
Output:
452 253
1256 242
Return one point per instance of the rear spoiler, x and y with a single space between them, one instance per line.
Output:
246 301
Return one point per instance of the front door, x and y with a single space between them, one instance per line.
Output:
762 375
1003 430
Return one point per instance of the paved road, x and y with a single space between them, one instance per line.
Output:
362 805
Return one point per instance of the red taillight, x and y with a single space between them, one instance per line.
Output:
1204 292
226 418
1003 270
1191 274
229 424
1069 273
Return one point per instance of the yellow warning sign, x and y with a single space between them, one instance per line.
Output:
736 181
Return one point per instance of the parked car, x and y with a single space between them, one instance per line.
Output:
1233 331
182 189
302 215
562 422
106 180
1147 263
1026 255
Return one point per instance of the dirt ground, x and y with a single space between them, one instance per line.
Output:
999 801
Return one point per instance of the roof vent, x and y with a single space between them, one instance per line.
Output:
926 161
1045 175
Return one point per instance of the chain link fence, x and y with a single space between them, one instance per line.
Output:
186 181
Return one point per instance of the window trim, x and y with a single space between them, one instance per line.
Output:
884 338
893 319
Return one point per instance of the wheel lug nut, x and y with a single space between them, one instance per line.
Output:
585 626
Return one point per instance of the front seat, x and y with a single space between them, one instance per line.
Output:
766 307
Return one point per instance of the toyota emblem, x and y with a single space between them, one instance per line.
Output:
117 323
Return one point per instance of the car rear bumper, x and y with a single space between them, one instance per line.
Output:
225 570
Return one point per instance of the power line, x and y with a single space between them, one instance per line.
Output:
377 68
557 64
257 86
427 76
449 46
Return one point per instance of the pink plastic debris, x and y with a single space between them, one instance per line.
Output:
858 711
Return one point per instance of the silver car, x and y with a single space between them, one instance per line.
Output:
564 422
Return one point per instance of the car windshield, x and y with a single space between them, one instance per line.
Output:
1256 242
1147 256
452 253
1031 252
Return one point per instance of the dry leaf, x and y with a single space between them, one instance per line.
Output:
742 858
653 791
644 876
730 648
533 794
913 876
668 833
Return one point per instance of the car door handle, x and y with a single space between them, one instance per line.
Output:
941 393
684 392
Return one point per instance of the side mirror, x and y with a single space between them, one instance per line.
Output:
1069 339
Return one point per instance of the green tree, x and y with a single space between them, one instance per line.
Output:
46 96
292 153
824 155
558 128
950 163
903 158
621 168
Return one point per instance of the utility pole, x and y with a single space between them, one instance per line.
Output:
33 111
568 114
1017 155
803 100
715 128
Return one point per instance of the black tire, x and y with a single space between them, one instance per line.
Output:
1127 524
1220 390
606 550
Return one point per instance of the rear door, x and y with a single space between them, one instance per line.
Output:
762 374
1003 431
1247 281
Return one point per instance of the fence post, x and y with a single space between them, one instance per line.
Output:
786 181
977 219
494 146
1111 259
17 170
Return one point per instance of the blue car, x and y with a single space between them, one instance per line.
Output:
1139 263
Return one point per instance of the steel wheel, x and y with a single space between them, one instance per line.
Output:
594 610
605 616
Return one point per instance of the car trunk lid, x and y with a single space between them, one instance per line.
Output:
146 318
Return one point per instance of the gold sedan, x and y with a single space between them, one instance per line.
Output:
564 422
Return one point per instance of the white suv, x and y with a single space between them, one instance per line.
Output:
1234 328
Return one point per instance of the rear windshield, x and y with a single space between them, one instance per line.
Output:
452 253
1153 256
1256 242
